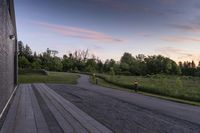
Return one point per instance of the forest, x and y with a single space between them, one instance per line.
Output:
82 61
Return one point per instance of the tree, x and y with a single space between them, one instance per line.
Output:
90 65
55 64
36 64
79 60
176 70
124 67
21 48
100 66
126 58
27 51
23 62
159 64
180 64
67 63
35 55
140 57
108 64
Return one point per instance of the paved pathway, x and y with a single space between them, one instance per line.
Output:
171 109
38 109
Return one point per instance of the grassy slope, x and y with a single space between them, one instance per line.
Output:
185 88
53 77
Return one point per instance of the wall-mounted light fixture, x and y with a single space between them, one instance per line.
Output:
12 37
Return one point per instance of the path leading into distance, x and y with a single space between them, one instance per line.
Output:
148 113
83 108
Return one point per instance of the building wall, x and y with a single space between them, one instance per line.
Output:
7 52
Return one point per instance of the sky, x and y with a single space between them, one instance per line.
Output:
108 28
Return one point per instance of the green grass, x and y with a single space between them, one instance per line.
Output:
52 77
104 83
185 88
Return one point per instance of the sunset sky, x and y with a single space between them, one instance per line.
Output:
108 28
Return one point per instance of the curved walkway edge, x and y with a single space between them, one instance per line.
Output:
171 109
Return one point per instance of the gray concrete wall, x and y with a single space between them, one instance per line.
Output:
7 53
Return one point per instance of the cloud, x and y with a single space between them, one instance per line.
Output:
140 7
167 2
144 34
196 20
190 57
178 54
114 4
181 39
197 5
188 28
171 50
69 31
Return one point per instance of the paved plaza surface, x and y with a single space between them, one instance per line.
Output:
82 108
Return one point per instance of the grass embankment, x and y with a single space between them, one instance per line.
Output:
175 88
52 77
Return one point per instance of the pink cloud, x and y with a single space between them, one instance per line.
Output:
171 50
181 39
178 54
77 32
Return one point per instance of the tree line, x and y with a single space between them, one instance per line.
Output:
81 61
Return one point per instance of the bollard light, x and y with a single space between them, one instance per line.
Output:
136 86
96 80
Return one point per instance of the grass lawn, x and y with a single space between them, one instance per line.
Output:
175 87
103 83
52 77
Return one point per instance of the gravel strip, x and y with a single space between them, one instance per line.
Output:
121 116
